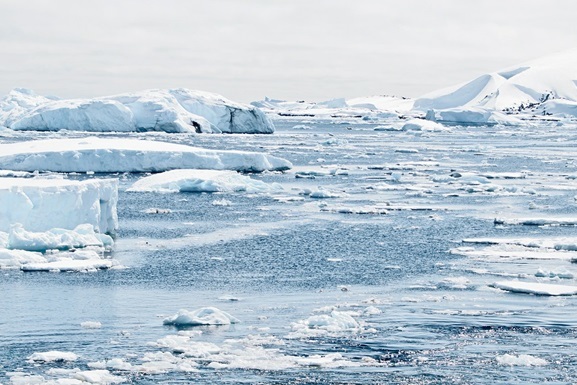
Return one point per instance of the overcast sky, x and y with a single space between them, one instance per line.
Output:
249 49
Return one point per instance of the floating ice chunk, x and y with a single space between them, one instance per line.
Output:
336 322
520 360
43 204
156 210
201 181
457 283
396 176
14 259
332 360
52 356
323 194
221 202
202 316
535 288
91 325
423 125
98 377
26 379
68 264
128 155
372 310
59 239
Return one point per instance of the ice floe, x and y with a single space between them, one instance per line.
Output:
91 324
423 125
536 288
169 110
107 155
336 322
202 316
201 181
56 239
520 360
52 356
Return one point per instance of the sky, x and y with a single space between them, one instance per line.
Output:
311 50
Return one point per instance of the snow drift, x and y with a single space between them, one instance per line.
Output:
169 110
128 155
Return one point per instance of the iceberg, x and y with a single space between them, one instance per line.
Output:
201 181
107 155
39 205
369 108
168 110
52 356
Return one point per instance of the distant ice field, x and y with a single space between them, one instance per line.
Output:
387 257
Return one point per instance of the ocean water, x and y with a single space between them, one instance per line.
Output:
389 281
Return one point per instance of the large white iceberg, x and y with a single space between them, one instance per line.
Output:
169 110
43 204
128 155
201 181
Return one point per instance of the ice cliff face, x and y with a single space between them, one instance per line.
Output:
173 110
517 88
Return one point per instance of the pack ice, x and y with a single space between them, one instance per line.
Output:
169 110
128 155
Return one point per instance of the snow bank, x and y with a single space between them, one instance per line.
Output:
202 316
128 155
535 288
515 89
44 204
201 181
171 110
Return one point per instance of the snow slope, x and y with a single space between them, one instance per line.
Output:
128 155
43 204
515 88
169 110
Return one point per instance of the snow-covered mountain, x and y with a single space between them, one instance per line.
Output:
519 88
170 110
